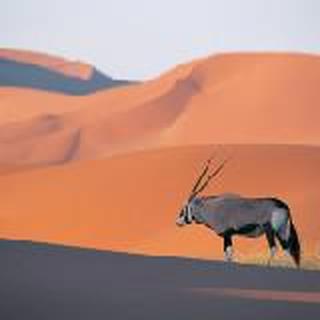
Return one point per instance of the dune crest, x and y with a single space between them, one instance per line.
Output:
69 68
231 98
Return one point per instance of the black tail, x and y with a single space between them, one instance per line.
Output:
292 244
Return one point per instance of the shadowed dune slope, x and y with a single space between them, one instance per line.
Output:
68 68
130 203
20 104
231 98
43 72
40 281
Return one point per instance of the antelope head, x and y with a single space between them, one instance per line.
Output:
186 215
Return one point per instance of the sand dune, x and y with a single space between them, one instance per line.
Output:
267 98
40 77
232 98
142 147
130 203
41 281
75 69
18 105
24 111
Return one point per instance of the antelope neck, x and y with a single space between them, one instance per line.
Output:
195 210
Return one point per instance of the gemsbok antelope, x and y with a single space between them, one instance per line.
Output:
232 214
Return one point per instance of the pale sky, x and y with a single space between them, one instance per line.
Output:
139 39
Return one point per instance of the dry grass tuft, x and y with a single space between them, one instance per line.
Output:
308 262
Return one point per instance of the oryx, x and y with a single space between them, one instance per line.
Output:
232 214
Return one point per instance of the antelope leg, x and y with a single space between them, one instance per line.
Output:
270 235
227 247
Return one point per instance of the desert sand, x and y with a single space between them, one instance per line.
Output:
130 202
111 171
75 69
232 98
142 146
42 281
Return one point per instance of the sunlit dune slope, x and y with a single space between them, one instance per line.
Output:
19 104
252 98
48 119
130 203
231 98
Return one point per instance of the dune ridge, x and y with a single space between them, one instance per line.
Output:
232 98
69 68
21 69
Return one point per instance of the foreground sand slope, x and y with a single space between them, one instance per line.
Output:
232 98
40 281
130 203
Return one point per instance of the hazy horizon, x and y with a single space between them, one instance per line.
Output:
141 39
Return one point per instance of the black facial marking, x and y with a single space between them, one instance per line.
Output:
187 221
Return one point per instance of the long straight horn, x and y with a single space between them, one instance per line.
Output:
204 172
210 177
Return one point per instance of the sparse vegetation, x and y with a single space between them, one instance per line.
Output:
308 262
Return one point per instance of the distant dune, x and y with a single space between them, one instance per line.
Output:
252 98
43 72
130 203
68 68
231 98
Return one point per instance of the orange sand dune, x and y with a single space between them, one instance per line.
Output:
250 98
23 112
74 69
130 202
237 98
232 98
18 104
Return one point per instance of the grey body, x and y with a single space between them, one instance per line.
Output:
234 212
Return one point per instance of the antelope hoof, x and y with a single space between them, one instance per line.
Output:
228 254
273 251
